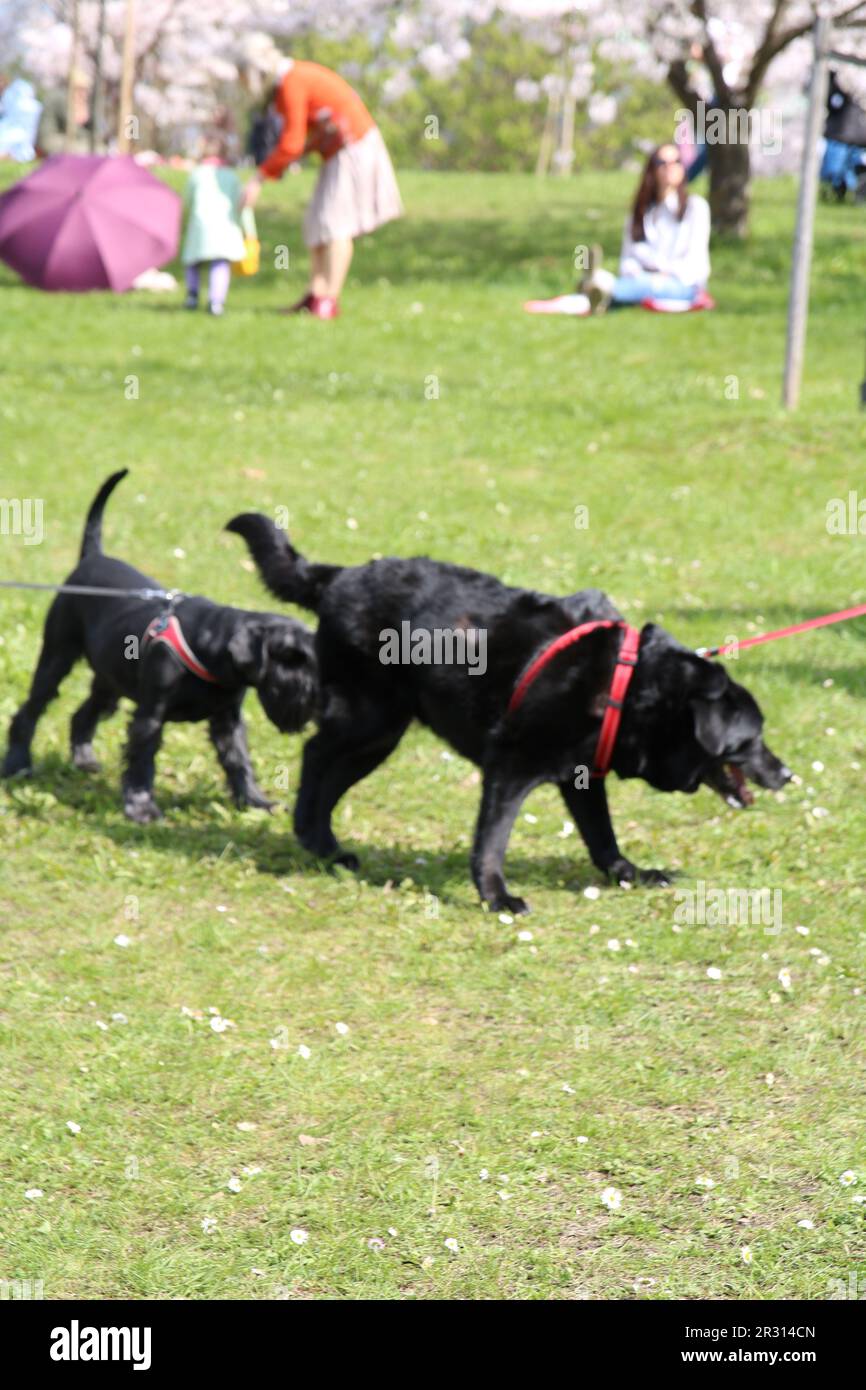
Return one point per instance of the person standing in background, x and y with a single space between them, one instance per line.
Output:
356 190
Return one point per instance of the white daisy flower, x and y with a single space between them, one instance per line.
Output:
73 1127
451 1244
848 1178
122 940
33 1194
713 972
304 1051
234 1184
704 1181
611 1197
784 978
208 1224
592 892
746 1254
342 1029
806 1225
298 1236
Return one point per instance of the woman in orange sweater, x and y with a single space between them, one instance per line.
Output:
356 191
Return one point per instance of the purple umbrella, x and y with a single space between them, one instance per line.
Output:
88 222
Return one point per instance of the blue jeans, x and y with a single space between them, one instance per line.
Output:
631 289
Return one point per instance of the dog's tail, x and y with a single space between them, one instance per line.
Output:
91 541
286 573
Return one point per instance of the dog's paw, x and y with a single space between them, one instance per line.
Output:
141 808
84 758
255 801
504 902
17 763
656 878
627 874
346 860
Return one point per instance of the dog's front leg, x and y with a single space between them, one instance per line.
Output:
229 738
501 799
591 814
145 736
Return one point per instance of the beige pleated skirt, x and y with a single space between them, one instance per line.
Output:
356 193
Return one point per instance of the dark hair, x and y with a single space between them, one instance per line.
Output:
645 198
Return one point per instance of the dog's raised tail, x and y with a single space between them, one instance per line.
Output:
91 541
286 573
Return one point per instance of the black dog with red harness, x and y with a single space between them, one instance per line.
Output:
179 659
569 690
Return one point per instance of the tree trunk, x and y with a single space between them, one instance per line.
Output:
730 174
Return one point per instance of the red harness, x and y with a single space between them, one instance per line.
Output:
166 628
623 672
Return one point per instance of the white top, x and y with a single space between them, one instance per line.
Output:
671 247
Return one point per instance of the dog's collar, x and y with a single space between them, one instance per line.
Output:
166 628
615 698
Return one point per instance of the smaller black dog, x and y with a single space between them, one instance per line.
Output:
192 663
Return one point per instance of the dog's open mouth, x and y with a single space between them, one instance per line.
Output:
731 786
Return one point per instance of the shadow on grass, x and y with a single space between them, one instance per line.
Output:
269 842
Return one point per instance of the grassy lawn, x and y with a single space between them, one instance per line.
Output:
486 1088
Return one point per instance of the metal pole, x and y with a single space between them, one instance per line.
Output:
798 302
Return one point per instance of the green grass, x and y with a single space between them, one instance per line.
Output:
707 512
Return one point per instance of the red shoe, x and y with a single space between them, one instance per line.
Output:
323 306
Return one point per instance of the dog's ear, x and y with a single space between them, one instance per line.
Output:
246 647
712 726
708 682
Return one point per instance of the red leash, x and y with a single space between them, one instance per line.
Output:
623 672
824 621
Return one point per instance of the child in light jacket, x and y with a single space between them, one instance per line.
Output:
214 233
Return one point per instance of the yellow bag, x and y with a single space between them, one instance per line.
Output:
252 257
252 246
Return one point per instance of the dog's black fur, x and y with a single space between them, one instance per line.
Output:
269 651
685 721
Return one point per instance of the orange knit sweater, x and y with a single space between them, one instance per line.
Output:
320 112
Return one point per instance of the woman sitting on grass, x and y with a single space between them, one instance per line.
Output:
665 260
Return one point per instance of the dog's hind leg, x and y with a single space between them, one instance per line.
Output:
229 738
501 798
334 760
56 660
101 703
591 814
